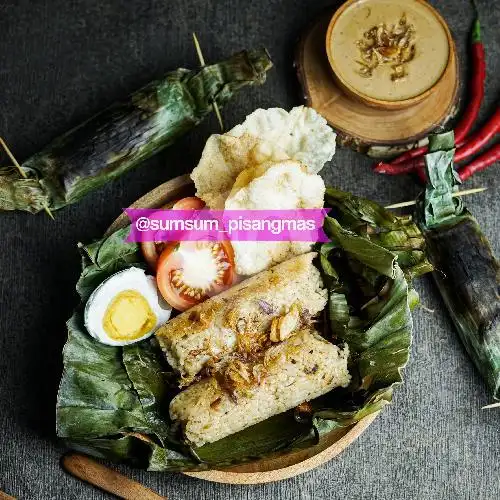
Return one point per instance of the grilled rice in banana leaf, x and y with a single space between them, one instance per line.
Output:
237 320
467 273
246 392
119 138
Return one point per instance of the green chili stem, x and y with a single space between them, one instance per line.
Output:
476 31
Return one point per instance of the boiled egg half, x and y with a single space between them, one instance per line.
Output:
125 308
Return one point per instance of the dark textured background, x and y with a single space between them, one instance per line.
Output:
61 61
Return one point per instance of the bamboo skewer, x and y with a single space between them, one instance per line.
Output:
493 405
21 171
12 158
202 62
456 195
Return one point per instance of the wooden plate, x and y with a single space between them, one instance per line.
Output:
277 466
376 132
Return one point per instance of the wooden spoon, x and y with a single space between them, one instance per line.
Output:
4 496
109 480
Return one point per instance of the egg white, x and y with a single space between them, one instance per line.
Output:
129 279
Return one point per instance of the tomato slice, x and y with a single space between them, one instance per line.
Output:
189 203
191 271
151 250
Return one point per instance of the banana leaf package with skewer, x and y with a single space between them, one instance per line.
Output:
467 273
398 234
119 138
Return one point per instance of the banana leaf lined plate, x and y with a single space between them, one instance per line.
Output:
112 401
278 466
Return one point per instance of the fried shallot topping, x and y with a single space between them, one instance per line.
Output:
392 45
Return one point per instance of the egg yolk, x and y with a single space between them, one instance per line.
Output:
128 316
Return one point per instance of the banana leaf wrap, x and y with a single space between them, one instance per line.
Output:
113 401
127 133
398 234
467 273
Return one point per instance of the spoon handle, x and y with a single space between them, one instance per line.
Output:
4 496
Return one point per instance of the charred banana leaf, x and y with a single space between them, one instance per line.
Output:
119 138
467 273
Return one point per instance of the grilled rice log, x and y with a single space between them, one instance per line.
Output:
127 133
239 319
467 272
302 368
468 279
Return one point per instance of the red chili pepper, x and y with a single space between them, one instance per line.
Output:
476 86
472 146
480 138
422 175
476 92
408 155
480 163
390 169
